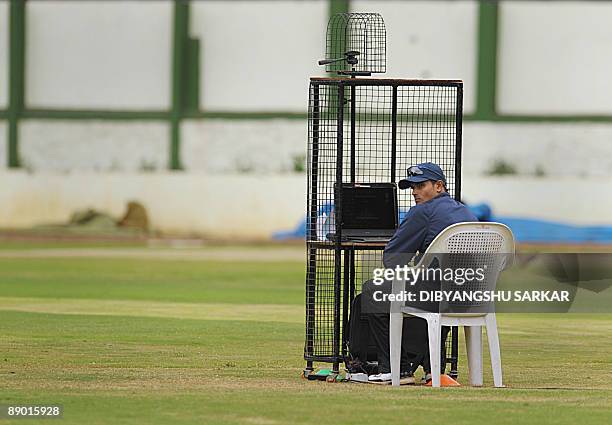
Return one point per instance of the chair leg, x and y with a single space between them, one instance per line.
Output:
473 345
493 338
395 344
433 328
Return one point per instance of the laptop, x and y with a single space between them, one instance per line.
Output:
369 212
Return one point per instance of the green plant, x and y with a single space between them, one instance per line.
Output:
501 168
299 163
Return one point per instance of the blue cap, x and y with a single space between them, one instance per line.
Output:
422 172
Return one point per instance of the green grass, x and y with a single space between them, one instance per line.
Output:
154 280
137 341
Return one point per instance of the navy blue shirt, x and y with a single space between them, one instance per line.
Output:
422 224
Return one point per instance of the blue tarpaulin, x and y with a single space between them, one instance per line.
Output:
530 230
524 229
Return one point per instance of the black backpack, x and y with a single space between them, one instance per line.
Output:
362 351
362 356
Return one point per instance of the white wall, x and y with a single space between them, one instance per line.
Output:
98 54
258 55
558 149
563 199
67 146
255 206
271 146
430 39
555 57
224 206
255 146
4 53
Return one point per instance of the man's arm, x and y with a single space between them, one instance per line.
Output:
408 238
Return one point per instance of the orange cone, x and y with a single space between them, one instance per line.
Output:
446 381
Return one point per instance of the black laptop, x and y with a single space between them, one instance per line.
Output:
369 212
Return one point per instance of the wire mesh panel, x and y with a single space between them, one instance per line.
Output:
429 129
356 42
366 131
323 310
320 305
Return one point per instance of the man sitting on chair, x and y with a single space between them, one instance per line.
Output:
434 211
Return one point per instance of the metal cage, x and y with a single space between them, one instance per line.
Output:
356 44
366 131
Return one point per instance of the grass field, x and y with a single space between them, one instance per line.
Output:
154 336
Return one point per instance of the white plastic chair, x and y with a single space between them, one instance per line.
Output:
480 240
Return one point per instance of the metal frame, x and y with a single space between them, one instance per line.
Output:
326 107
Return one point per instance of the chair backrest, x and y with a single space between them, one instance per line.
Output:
472 237
487 248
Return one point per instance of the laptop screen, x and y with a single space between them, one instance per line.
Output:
369 206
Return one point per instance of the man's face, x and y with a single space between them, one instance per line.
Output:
424 191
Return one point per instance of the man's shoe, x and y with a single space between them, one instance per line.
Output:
380 378
406 378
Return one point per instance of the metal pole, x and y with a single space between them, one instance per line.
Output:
311 273
454 352
353 130
458 138
345 300
458 143
393 133
338 214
